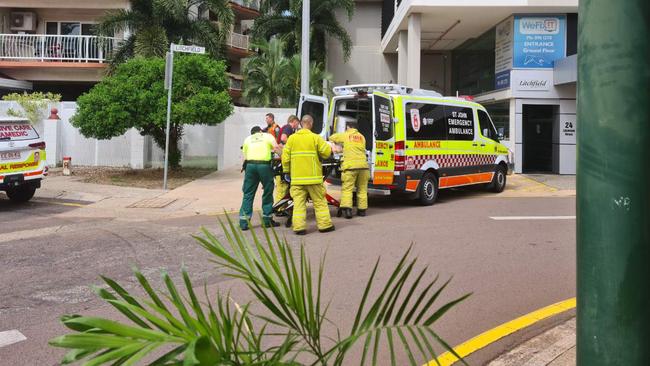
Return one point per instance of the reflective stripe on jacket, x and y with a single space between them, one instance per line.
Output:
354 149
301 157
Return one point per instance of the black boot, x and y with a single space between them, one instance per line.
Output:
347 212
271 223
361 212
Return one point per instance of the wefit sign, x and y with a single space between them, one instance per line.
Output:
539 41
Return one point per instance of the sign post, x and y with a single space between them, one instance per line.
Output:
169 72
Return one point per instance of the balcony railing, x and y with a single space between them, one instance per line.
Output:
41 47
253 4
235 82
237 40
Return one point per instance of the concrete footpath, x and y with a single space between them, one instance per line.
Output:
555 347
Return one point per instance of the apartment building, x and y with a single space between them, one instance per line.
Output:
516 57
49 45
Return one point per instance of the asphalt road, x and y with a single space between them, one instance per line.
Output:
48 260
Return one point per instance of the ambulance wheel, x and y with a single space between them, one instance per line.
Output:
22 193
428 190
498 183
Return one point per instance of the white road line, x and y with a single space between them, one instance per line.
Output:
10 337
532 218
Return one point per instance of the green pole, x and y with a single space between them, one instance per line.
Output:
613 182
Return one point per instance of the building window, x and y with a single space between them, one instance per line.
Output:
500 114
473 65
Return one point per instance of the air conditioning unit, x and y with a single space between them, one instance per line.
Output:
23 21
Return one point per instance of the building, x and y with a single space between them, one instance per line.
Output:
49 45
516 57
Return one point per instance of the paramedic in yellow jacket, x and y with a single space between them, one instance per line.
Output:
355 169
301 159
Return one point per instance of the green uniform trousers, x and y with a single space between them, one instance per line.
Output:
256 174
316 192
351 179
281 188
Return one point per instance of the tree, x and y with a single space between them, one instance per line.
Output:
289 328
33 104
154 24
283 18
273 80
134 97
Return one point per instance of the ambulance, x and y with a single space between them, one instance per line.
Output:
22 159
417 141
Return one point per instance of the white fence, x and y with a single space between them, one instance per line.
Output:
41 47
238 40
208 146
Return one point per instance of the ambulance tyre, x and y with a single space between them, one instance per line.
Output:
428 190
21 193
498 183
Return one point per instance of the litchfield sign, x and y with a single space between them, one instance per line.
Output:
187 48
539 40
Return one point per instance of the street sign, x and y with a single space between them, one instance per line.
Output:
187 48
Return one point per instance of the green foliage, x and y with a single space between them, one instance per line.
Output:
283 18
289 329
154 24
273 80
134 97
34 105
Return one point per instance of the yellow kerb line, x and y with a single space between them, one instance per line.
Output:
486 338
61 203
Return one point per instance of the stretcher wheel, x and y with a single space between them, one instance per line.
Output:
339 212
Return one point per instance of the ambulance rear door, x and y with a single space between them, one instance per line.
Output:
317 107
382 159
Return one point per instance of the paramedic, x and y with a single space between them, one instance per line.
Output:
301 160
282 187
272 127
258 149
355 169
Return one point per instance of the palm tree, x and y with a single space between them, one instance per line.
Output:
152 24
283 18
273 80
288 327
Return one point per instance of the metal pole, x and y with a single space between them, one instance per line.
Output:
169 112
304 49
613 200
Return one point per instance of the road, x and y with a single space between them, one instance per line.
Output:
48 259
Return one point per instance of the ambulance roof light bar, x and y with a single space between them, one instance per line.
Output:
385 88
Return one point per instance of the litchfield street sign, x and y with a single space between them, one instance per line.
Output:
187 48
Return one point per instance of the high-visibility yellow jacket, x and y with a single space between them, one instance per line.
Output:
301 157
354 149
258 146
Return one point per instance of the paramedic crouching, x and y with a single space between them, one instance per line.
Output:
301 160
355 169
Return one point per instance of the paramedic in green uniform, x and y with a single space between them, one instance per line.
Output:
258 150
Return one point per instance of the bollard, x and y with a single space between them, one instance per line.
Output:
67 165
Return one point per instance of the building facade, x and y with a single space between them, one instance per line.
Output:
516 57
50 45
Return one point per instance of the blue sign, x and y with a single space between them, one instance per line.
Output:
539 41
502 80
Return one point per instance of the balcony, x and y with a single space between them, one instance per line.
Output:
251 4
235 85
237 40
245 9
56 48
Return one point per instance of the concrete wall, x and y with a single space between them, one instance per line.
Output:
206 146
367 63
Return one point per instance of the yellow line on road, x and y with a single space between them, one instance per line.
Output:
61 203
486 338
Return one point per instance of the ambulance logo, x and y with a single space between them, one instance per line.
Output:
415 120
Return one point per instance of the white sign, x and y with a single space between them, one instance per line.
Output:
538 25
188 48
534 84
415 119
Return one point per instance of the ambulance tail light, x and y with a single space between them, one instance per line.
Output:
38 145
400 156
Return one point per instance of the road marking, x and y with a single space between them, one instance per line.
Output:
499 218
486 338
10 337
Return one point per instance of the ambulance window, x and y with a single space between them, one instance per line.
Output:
383 118
460 123
425 122
316 111
486 126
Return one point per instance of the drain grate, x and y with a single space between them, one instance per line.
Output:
152 203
